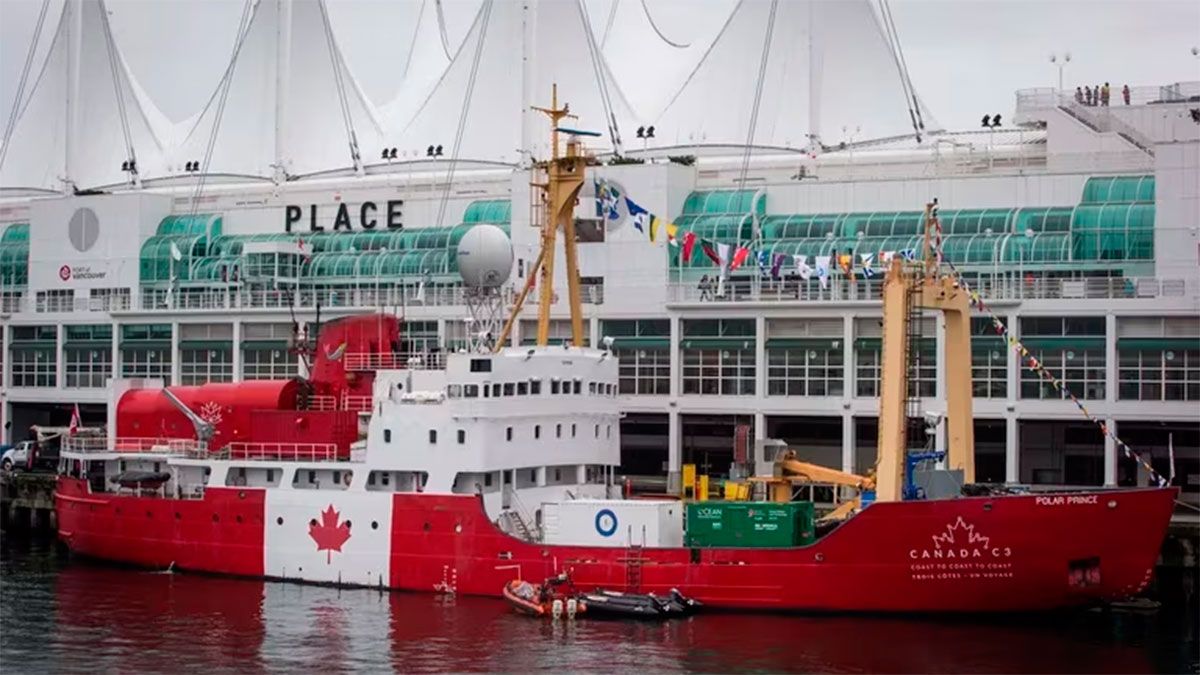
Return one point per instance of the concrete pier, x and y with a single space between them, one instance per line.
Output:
27 501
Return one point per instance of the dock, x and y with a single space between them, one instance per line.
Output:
27 501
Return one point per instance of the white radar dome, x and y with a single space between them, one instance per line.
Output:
485 257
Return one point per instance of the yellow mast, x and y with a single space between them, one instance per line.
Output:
927 290
564 179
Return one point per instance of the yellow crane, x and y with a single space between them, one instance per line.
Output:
907 286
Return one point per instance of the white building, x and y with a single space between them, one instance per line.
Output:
1079 225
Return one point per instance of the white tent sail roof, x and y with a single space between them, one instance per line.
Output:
288 105
495 103
84 138
287 82
828 65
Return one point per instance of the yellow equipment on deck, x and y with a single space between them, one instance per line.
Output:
907 286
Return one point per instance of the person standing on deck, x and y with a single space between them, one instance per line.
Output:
1125 94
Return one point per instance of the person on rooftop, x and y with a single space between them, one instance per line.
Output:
1104 95
1088 95
1079 95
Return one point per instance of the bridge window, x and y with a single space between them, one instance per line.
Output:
558 431
387 435
454 391
535 387
510 389
522 389
481 365
471 390
496 390
537 431
433 436
572 430
508 434
554 386
462 436
578 387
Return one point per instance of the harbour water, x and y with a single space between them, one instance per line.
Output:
63 615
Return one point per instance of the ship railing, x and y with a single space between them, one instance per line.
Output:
132 445
355 403
369 361
290 452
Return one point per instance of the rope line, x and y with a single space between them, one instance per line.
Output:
114 64
1034 365
484 18
249 11
758 90
12 118
339 82
659 33
441 18
610 119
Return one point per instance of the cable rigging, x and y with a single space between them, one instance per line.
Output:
441 17
339 81
910 95
114 64
758 91
485 14
16 109
249 11
659 33
610 119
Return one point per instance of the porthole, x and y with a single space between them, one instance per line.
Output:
279 521
216 518
348 524
374 525
312 523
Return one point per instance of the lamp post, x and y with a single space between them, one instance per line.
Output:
1061 62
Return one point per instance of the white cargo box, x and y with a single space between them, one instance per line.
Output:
613 522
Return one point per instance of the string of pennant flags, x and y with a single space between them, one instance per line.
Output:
1034 364
729 257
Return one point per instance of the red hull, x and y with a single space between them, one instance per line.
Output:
1010 553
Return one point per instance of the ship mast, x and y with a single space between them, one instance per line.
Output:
908 288
564 175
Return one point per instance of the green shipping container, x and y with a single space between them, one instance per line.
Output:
749 524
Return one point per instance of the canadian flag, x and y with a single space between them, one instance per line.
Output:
75 422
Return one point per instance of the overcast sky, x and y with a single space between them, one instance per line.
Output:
966 57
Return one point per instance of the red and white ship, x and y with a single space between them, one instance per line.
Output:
424 475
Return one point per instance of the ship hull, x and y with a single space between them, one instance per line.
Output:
985 554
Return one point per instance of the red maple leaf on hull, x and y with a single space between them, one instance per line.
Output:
328 534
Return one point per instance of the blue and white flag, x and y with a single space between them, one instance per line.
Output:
867 270
764 261
823 269
641 217
909 254
802 267
610 199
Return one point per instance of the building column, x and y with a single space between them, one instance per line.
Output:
60 371
1110 455
176 356
116 350
441 332
760 367
1110 359
237 351
760 428
674 452
594 333
676 384
1014 364
847 442
1012 449
848 375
